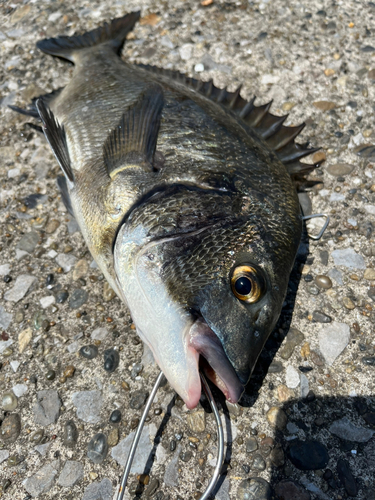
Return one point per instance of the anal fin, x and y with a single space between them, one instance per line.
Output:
55 135
133 141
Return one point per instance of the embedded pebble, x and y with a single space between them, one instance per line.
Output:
254 488
47 301
70 434
80 270
152 487
62 297
99 491
340 169
5 318
346 477
9 402
77 298
24 339
333 339
115 417
292 378
66 261
251 445
28 242
42 481
323 281
289 490
10 428
89 351
97 448
4 454
37 436
20 288
111 360
277 417
348 258
283 393
47 407
321 317
71 474
113 437
19 390
308 455
89 405
108 292
138 399
121 451
345 429
43 449
292 340
258 463
5 269
197 421
99 334
171 476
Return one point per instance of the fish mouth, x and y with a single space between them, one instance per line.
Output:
212 359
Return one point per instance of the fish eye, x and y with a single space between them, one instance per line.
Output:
247 284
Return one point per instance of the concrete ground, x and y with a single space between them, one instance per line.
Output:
316 61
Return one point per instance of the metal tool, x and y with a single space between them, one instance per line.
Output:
220 434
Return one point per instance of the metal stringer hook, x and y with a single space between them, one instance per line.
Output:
220 454
325 225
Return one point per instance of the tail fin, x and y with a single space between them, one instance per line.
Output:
113 34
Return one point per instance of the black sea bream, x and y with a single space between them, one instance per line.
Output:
185 198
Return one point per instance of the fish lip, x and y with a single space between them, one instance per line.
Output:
214 361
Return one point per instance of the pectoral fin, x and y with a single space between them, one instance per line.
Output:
133 141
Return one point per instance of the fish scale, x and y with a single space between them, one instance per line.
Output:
184 194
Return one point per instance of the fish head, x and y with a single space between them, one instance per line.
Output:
204 284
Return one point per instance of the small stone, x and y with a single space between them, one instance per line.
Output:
346 430
24 339
348 303
277 457
346 477
5 318
289 490
62 297
138 399
43 449
292 378
51 375
10 428
89 351
99 334
197 421
42 481
19 390
324 105
254 488
47 408
47 301
111 360
251 445
97 448
70 434
277 417
121 451
293 338
99 491
80 269
89 405
333 339
78 298
28 242
20 288
340 169
321 317
71 474
4 454
5 269
258 463
152 487
9 402
186 456
108 293
348 258
113 437
323 281
37 436
66 261
284 394
369 274
308 455
115 417
69 371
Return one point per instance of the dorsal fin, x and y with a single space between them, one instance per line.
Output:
270 127
133 141
55 135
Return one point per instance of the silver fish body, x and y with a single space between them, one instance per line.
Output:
183 193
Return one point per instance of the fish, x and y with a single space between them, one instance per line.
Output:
185 194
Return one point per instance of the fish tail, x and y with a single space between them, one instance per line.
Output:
112 34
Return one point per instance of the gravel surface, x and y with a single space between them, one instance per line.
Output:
305 427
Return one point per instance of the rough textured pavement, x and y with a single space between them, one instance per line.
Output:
306 426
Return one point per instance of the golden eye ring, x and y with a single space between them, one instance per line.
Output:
247 284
